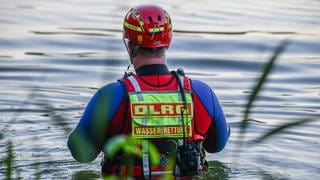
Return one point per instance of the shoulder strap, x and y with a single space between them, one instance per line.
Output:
134 83
145 149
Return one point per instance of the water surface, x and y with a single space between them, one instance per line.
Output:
55 55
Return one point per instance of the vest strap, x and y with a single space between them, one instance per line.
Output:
136 87
135 83
145 160
181 78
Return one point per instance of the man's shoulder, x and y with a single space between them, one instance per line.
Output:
117 88
200 87
203 92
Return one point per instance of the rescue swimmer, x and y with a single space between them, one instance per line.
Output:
182 117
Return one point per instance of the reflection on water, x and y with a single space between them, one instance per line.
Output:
218 169
86 174
54 56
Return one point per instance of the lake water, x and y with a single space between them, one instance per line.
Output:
55 54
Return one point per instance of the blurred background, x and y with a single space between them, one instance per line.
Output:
55 54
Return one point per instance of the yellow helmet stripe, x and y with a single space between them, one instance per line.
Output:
132 27
137 15
157 29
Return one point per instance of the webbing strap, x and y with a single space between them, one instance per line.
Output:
180 141
181 78
177 170
136 87
134 83
145 160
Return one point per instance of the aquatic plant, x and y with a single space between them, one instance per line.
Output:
9 160
256 90
258 87
132 148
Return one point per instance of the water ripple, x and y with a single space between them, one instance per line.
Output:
54 56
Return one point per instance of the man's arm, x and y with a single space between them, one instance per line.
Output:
87 139
218 132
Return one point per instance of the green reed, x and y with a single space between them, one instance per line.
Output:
9 160
131 147
257 88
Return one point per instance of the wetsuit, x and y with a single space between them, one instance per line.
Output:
107 114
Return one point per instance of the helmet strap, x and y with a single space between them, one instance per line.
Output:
128 72
132 53
126 44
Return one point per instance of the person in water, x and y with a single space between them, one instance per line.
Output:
156 107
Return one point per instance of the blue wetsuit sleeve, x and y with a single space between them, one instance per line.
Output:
218 132
86 140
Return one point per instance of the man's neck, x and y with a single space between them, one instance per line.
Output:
152 69
141 60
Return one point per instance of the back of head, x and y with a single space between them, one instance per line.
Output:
146 27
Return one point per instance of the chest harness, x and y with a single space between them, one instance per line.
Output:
165 115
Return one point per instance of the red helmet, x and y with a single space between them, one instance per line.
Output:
148 26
